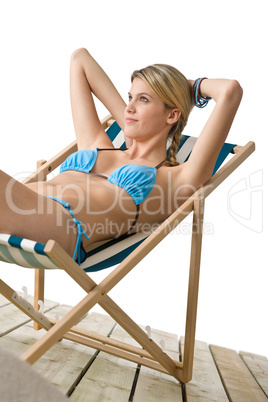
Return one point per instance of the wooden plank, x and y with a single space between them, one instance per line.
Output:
65 362
258 365
206 383
3 301
154 386
70 359
109 378
11 317
239 384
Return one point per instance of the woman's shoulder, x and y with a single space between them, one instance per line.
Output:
169 176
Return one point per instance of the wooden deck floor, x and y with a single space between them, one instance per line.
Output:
85 374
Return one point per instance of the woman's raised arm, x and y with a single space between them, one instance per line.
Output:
87 77
227 94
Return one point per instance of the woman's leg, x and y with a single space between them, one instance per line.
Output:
25 213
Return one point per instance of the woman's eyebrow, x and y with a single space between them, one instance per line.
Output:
141 93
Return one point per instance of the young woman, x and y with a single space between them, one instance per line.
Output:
103 192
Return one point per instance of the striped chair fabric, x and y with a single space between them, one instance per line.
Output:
101 255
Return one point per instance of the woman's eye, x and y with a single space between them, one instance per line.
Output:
143 99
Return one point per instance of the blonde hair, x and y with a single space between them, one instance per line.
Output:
173 89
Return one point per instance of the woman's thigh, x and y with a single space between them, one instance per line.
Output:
25 213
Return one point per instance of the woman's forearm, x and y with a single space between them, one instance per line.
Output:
217 88
100 84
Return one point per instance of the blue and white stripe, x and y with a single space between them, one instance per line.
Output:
24 252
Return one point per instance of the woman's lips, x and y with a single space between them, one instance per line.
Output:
130 120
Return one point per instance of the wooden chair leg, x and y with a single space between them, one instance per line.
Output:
39 289
39 278
188 355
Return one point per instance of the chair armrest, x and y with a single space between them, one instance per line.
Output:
41 173
241 154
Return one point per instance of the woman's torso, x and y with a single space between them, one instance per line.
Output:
105 209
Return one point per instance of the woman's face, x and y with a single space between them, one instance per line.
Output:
145 115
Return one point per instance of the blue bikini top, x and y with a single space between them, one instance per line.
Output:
137 180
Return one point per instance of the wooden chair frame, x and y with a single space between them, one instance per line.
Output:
150 354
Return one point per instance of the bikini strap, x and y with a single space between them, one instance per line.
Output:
160 164
98 175
124 149
112 149
80 231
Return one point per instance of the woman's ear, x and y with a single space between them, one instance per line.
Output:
173 116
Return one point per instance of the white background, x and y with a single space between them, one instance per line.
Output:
211 38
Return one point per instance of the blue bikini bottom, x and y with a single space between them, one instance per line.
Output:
79 248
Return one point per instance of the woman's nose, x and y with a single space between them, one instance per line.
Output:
130 106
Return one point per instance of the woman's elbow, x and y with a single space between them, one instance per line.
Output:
234 91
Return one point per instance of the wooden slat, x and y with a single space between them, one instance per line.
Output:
206 384
258 365
65 361
3 301
11 317
107 341
109 378
123 354
153 386
239 384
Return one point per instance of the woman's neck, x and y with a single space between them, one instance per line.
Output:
151 151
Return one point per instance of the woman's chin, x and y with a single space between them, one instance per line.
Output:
130 132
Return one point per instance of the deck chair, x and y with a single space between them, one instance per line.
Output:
125 253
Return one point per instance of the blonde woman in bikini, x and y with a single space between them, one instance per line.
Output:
120 190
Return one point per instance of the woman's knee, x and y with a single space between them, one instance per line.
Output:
79 54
